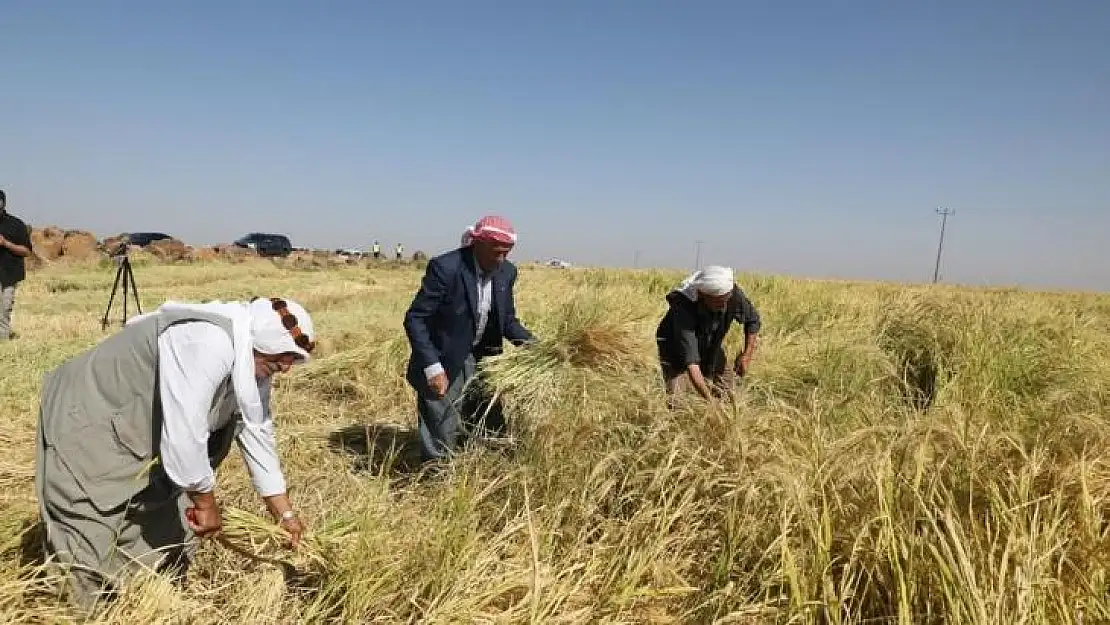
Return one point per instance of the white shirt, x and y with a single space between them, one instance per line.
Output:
194 359
485 295
485 299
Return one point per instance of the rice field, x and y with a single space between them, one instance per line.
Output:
899 454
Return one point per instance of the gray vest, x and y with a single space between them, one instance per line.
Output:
102 412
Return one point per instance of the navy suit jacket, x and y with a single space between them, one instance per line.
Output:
442 320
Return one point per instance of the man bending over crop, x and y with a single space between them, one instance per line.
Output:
463 311
130 434
691 335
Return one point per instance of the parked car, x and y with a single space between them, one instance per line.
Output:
143 239
266 244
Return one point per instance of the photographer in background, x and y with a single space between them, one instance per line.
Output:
15 246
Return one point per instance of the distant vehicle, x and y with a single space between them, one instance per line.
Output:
143 239
266 244
558 264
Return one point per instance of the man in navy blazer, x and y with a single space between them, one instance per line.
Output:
463 311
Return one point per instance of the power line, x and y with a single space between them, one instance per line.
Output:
944 213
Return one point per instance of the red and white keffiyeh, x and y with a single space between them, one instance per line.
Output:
491 228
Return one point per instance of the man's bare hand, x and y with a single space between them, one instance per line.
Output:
3 241
204 516
697 379
439 385
279 505
743 365
296 530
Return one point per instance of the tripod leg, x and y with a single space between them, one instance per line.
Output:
111 298
134 289
123 317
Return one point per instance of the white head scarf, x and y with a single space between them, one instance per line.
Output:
254 325
268 334
713 280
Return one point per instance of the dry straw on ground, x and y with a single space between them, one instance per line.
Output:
899 455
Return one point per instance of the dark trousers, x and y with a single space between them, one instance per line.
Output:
464 412
717 373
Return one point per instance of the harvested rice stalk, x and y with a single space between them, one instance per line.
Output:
593 336
255 537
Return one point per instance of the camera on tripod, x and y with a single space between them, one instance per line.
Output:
124 273
120 250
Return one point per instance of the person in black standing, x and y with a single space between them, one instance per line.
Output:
692 333
15 246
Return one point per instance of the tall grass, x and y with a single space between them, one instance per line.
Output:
899 454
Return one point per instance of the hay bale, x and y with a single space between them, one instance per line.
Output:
204 254
234 253
47 243
169 250
80 245
419 257
306 260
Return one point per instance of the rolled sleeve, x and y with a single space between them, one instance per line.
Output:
258 444
193 360
748 316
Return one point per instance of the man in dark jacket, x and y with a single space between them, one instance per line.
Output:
15 246
691 335
463 311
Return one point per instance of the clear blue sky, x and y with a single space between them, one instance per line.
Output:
808 138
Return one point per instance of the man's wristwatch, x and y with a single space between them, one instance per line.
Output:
287 515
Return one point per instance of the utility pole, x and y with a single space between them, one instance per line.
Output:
636 262
944 213
697 255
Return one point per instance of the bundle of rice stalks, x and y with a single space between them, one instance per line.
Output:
593 338
263 540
